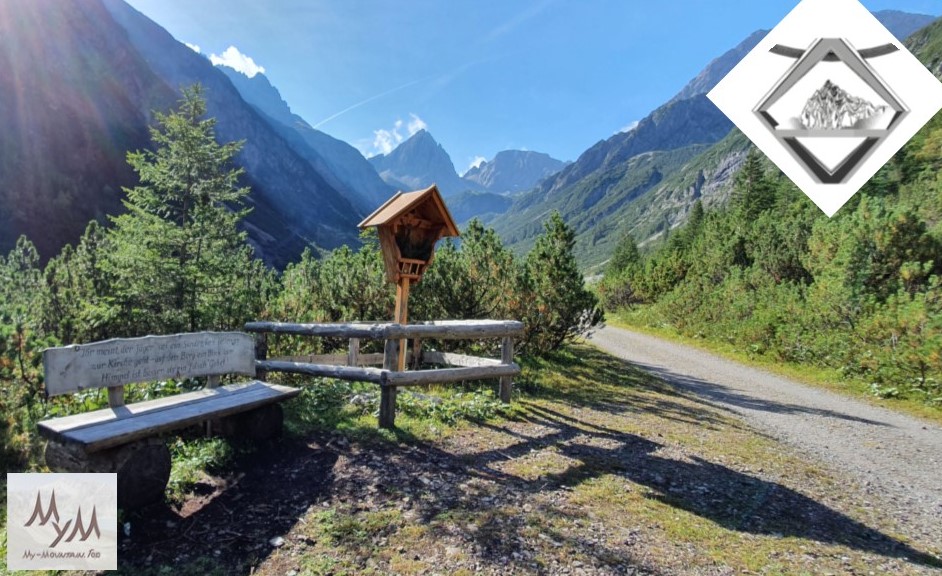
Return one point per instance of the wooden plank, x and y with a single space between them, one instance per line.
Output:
402 317
369 331
353 352
458 359
116 396
127 360
352 373
387 394
261 353
329 359
112 427
332 359
445 375
371 359
506 357
89 418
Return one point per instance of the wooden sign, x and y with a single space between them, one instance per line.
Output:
122 361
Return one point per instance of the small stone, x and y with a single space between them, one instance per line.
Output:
277 541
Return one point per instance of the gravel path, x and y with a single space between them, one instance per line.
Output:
895 458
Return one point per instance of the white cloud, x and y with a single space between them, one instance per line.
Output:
237 61
385 140
478 160
631 126
193 47
416 124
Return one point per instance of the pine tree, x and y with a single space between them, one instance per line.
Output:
754 191
626 256
557 307
178 257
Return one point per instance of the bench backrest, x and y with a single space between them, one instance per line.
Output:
114 363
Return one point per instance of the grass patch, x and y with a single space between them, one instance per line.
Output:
352 409
192 459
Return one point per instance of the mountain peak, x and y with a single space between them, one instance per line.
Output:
419 162
514 171
833 108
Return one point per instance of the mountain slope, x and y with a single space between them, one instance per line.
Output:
341 165
294 205
903 24
74 97
419 162
593 193
513 171
485 206
603 173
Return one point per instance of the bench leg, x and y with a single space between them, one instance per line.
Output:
264 423
143 468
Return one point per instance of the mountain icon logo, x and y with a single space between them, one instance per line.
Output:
835 131
829 96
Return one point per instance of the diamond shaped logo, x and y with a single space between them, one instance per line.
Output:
829 96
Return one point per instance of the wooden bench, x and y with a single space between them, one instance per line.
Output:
121 438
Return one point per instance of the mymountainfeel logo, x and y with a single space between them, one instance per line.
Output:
829 95
61 529
62 521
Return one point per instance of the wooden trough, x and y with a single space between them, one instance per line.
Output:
357 367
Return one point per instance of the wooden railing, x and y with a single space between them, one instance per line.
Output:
358 367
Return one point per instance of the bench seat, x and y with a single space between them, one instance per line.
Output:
110 427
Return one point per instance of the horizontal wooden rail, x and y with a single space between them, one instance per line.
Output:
456 329
334 359
457 359
443 375
355 366
354 373
352 330
442 329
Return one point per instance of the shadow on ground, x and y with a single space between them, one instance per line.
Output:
227 526
272 492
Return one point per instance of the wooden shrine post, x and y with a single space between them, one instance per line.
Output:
409 224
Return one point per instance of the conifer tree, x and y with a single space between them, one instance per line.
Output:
177 254
557 306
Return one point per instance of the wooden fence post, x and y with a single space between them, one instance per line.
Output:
353 354
261 353
506 357
387 394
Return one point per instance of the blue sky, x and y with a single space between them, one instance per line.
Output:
555 76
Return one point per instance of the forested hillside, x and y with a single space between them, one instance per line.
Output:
769 273
860 292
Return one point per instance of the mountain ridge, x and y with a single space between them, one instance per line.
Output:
340 163
514 171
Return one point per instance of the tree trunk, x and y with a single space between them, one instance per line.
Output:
143 468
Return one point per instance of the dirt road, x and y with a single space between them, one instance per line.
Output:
895 458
